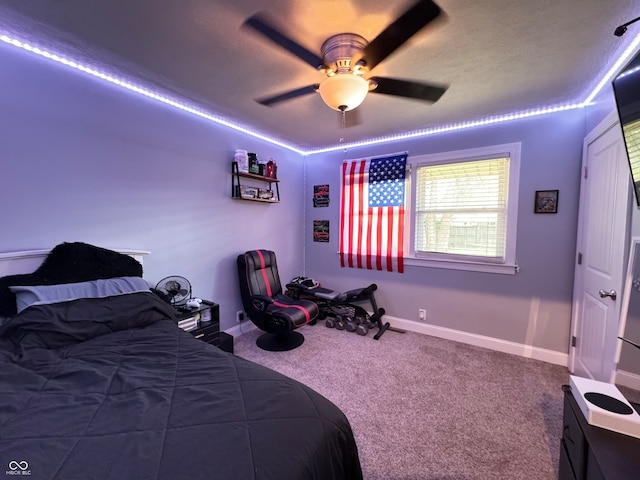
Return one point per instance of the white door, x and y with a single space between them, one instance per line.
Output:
601 260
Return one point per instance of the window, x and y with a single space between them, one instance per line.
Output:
465 209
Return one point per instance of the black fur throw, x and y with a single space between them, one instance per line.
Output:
69 263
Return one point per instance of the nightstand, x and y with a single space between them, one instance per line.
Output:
207 316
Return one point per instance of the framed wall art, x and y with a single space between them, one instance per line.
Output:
321 195
321 231
546 201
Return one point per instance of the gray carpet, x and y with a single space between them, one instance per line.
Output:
428 408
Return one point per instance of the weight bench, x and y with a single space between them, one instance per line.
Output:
330 302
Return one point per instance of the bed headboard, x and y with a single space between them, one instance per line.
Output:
65 263
12 263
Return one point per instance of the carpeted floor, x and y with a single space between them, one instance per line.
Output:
424 408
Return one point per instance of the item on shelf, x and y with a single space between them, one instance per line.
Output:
269 169
247 192
265 194
194 302
242 158
189 323
253 163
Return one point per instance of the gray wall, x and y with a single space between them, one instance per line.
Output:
83 161
532 307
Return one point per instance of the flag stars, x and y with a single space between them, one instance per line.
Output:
386 181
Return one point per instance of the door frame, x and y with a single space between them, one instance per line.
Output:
612 120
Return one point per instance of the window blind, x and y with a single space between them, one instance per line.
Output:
461 210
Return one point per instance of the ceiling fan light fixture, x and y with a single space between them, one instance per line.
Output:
343 92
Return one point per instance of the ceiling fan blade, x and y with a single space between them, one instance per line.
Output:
281 97
409 89
392 37
261 24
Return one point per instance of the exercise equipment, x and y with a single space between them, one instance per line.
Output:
340 309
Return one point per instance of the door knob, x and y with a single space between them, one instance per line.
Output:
611 294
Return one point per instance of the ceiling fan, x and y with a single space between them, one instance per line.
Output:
347 58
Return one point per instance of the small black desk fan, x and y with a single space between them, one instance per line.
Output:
176 288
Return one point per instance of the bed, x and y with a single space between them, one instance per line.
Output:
98 382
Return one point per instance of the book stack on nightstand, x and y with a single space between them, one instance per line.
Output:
203 323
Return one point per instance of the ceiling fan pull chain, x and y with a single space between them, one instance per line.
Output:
343 122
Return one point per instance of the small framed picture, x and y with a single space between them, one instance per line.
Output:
546 201
321 195
321 231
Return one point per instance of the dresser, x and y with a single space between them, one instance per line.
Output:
593 453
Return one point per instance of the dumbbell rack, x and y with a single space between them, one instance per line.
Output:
366 294
349 317
331 301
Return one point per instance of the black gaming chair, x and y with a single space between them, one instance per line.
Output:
266 306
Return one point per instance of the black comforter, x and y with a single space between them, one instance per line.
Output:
112 389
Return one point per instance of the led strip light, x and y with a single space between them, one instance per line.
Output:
145 92
373 141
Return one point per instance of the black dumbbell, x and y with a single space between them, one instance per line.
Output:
359 319
330 322
362 330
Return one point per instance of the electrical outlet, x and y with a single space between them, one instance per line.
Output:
239 316
422 314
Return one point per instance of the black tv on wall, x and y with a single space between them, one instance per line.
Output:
626 89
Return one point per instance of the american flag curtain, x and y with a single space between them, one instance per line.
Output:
372 213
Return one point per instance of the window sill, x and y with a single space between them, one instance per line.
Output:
504 269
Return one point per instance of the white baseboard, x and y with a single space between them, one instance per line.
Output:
628 379
241 328
527 351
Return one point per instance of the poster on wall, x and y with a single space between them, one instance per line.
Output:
546 201
321 195
321 231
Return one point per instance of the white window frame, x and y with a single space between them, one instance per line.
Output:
510 265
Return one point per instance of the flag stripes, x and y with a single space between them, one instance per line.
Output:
372 213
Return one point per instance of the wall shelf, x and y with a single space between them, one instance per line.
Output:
263 200
248 190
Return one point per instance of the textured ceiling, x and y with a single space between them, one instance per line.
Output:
496 56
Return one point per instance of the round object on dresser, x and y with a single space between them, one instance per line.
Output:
608 403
